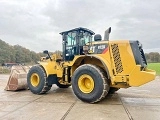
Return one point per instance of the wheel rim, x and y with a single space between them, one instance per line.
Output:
35 79
86 83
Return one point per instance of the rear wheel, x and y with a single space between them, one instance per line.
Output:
89 83
37 81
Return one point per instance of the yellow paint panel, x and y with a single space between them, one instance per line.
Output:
138 77
49 67
126 57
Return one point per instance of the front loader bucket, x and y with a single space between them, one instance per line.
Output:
18 78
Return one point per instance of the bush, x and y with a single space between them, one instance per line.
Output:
4 70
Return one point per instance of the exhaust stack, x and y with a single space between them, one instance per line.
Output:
106 34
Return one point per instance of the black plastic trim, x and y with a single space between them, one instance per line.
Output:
138 54
52 79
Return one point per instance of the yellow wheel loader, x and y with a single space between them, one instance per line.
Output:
94 67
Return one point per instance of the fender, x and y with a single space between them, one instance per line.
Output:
49 67
105 64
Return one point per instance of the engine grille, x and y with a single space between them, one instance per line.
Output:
117 58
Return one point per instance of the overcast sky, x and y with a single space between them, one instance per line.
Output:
36 24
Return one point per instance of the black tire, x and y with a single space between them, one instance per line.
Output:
42 86
100 88
112 90
62 86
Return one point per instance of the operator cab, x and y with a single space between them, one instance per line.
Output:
74 42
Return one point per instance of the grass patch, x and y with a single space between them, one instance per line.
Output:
4 70
155 66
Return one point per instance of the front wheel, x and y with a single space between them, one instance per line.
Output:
89 83
37 81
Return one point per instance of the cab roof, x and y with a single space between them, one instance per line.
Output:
78 29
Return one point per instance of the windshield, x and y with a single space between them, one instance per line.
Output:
71 38
85 38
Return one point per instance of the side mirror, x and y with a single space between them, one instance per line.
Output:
46 52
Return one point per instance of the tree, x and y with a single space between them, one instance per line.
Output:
17 54
152 57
